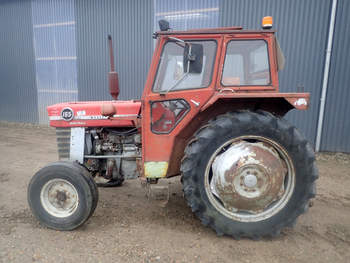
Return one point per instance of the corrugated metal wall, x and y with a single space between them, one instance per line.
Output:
18 94
302 29
336 126
187 14
131 25
55 53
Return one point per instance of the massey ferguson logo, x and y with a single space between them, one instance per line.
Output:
67 114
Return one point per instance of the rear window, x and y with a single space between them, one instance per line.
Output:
246 64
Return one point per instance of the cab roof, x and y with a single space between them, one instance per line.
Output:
219 30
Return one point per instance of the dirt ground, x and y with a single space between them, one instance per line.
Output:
127 227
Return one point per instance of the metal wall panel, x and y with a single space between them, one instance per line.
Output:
55 53
131 25
336 125
187 14
302 29
18 95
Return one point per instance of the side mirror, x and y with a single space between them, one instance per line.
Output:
193 58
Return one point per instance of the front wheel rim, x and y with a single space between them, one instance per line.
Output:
234 211
59 198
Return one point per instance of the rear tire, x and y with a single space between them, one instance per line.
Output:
62 196
239 222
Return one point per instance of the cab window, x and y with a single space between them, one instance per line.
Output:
246 64
171 75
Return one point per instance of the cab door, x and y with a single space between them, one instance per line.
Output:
173 96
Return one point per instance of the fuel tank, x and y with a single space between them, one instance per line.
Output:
95 114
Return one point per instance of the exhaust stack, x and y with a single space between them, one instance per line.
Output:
112 75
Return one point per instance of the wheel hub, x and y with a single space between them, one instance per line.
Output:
250 180
59 198
248 176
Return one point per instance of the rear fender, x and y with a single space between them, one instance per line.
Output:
276 103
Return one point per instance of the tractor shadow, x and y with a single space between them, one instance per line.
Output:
129 205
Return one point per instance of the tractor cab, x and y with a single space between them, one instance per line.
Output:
195 75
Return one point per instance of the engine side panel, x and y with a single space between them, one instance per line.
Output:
89 114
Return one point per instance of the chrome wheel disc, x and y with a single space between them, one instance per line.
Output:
59 198
250 178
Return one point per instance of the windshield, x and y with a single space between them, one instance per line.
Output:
171 75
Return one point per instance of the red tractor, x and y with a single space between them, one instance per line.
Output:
211 113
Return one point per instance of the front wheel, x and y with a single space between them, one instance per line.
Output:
255 178
62 195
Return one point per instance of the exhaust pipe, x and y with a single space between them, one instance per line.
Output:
112 75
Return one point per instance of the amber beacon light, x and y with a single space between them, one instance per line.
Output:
267 22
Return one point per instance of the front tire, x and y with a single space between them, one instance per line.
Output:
62 196
255 178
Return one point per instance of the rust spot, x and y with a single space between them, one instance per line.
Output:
139 167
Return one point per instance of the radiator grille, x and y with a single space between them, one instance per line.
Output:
63 143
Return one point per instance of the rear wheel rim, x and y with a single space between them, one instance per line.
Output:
248 216
59 198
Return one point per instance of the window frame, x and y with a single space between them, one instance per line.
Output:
269 64
187 40
178 121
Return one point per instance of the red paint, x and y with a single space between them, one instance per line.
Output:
94 108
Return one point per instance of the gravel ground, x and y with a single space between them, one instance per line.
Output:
127 227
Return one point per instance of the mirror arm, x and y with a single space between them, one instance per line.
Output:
190 56
177 39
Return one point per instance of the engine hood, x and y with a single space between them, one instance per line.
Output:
93 114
